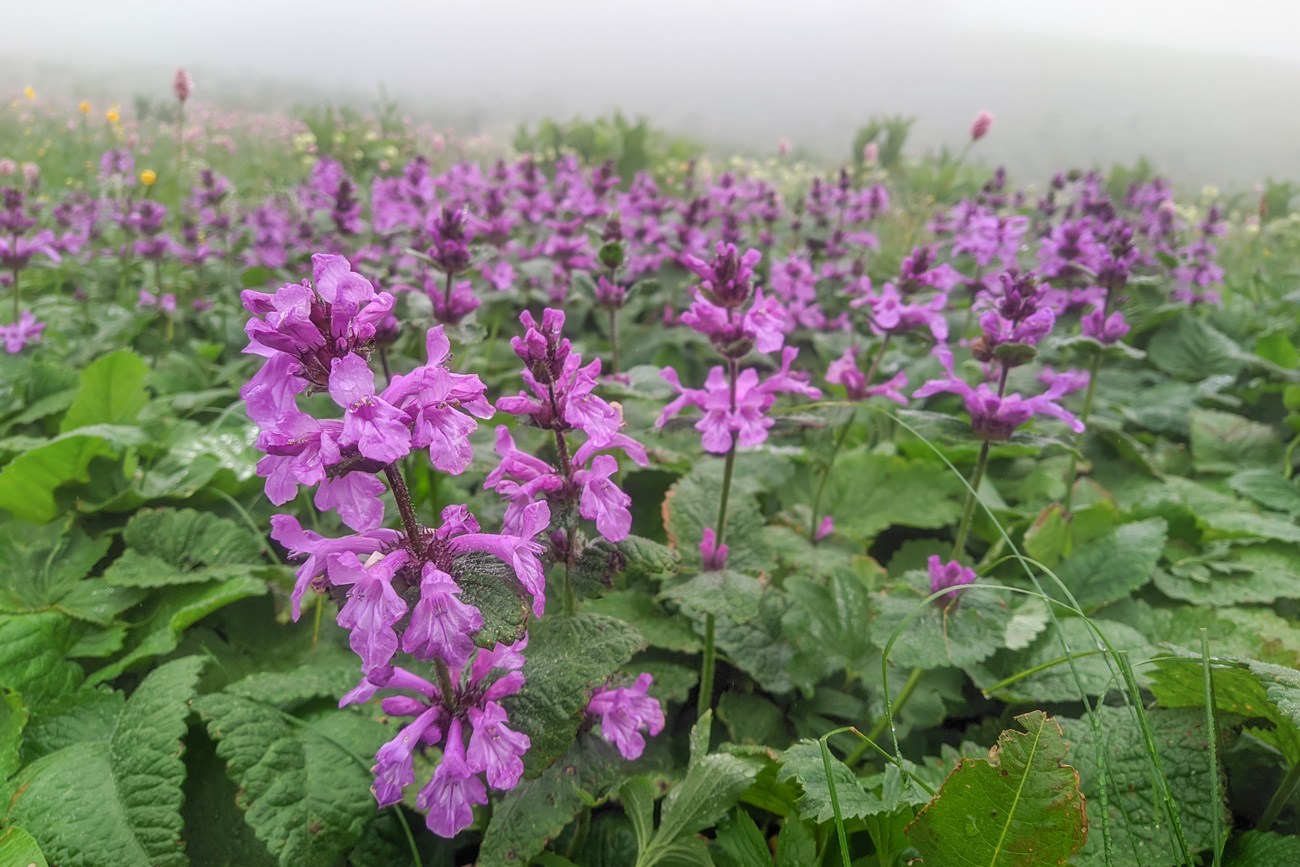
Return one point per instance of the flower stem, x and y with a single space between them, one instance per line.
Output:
878 729
403 497
826 473
709 663
1083 417
16 292
613 340
963 529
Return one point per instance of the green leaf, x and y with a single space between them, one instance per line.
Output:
742 842
19 849
803 763
1261 573
536 811
567 657
1269 489
111 392
826 620
1057 683
33 648
1189 348
638 797
796 845
116 802
305 791
492 587
1140 829
730 593
758 648
1113 566
657 626
1262 849
1223 443
937 636
29 483
187 539
13 719
39 565
1022 805
867 492
216 834
713 785
692 505
181 608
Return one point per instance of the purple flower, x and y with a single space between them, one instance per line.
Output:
981 125
742 417
376 427
844 371
16 252
713 555
495 749
441 625
1104 329
286 530
394 767
453 792
624 713
946 575
824 529
602 501
182 85
889 315
994 417
519 549
372 609
18 334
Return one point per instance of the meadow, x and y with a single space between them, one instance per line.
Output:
373 495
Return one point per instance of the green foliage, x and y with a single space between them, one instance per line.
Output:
1022 803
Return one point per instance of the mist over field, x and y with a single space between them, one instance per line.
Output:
1203 90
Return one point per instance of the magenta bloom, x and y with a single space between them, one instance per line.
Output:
993 417
602 501
183 85
624 713
1104 329
441 624
713 554
494 749
945 575
372 610
394 767
844 371
727 280
376 427
744 417
981 125
453 792
18 334
320 551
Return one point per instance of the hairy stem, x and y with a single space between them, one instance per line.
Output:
963 529
403 497
881 724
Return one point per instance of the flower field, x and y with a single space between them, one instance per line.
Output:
376 496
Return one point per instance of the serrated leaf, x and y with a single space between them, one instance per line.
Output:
1141 837
32 656
692 505
326 678
118 802
796 844
566 658
536 811
491 586
1111 567
1268 488
1020 806
961 634
188 539
803 763
712 786
111 392
1261 573
730 593
39 565
305 794
18 848
216 834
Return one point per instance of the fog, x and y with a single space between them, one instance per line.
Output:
1206 90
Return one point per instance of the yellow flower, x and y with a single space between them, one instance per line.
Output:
31 94
85 107
148 177
112 115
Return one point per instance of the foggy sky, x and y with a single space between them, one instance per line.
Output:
1205 89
